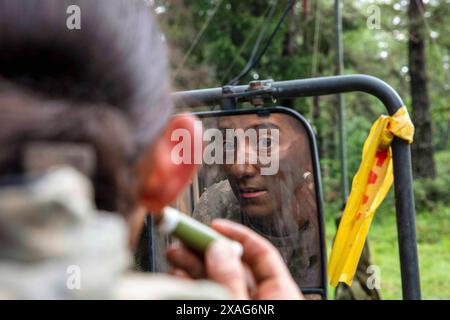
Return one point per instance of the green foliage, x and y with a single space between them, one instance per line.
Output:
430 193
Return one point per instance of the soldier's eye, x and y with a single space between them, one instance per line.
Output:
265 142
228 146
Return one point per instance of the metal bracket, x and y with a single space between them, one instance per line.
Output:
228 101
259 85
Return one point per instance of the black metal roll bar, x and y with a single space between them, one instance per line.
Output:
404 196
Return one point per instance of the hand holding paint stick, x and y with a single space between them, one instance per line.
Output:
194 234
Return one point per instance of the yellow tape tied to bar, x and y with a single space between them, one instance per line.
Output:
369 187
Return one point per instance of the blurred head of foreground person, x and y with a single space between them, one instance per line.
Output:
85 152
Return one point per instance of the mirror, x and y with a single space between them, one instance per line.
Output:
260 169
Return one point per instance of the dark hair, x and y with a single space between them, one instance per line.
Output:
105 84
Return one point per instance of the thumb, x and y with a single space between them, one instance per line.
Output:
224 266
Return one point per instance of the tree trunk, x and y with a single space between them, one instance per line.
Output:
289 48
305 16
422 148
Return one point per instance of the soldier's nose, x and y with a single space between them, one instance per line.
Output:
243 170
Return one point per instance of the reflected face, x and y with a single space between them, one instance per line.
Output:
262 195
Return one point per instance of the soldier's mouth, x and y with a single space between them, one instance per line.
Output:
249 193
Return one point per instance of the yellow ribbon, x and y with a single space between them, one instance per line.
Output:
369 187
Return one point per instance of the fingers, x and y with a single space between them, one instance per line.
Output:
182 258
251 282
278 289
262 274
273 279
262 258
180 273
224 266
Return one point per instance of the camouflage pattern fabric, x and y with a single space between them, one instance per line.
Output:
49 224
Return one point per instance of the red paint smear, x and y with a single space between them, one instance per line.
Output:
372 177
365 199
381 156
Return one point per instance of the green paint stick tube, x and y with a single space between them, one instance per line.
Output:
194 234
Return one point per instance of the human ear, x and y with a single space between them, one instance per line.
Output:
167 177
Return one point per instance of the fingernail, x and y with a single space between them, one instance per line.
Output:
220 250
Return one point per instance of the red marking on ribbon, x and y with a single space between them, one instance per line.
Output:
365 199
381 156
358 216
372 177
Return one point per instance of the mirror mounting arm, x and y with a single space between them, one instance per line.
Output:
228 101
255 93
263 86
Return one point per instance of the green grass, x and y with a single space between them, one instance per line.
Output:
433 234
